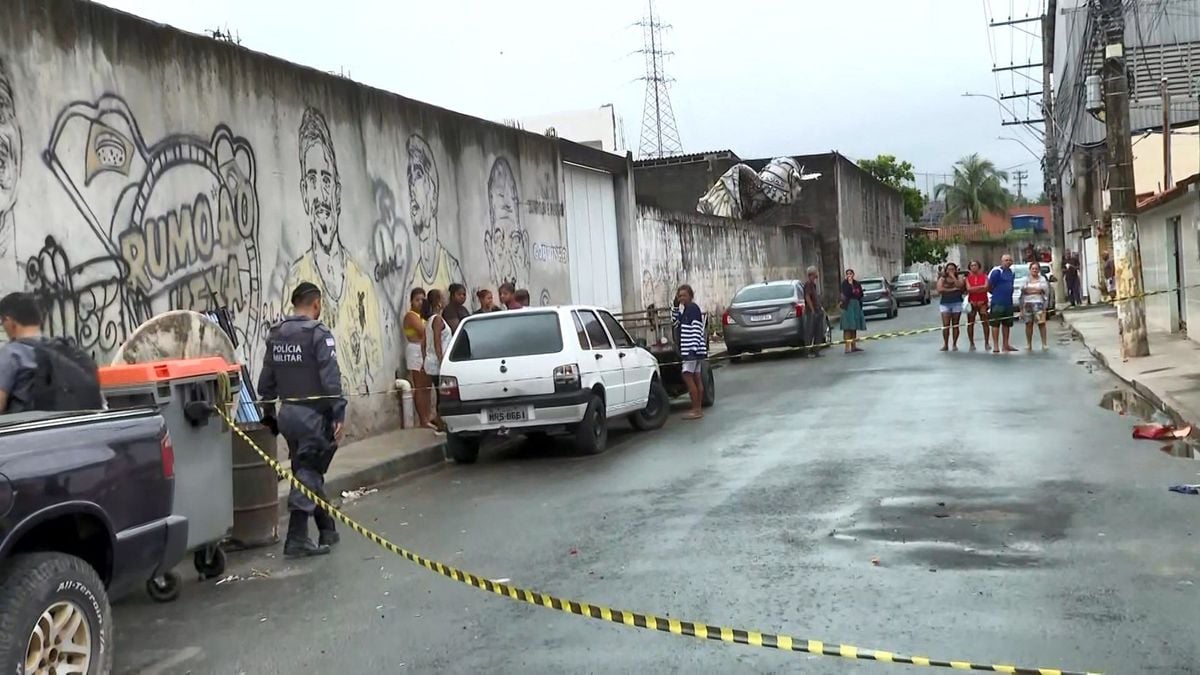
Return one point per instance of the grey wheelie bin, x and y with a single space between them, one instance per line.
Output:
185 391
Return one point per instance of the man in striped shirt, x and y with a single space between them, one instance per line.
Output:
693 347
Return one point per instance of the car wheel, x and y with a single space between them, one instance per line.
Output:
735 355
709 396
463 450
654 415
54 616
591 434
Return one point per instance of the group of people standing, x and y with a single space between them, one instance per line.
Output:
433 316
969 292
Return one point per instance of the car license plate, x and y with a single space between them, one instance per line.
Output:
503 415
759 318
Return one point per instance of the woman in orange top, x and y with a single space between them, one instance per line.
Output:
414 356
977 298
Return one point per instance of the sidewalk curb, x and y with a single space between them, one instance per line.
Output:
1141 389
387 471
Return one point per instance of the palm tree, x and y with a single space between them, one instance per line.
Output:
977 188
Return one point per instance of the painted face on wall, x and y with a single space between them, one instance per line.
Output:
422 188
506 243
320 187
10 143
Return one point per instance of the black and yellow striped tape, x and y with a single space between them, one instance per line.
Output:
725 357
694 629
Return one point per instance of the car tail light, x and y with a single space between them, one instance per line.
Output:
800 309
167 450
448 388
566 377
726 319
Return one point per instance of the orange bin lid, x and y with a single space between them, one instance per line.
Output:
158 371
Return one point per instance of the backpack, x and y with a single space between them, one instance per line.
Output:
64 379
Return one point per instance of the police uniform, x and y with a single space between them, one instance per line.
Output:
301 361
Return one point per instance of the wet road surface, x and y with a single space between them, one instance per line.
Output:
1012 519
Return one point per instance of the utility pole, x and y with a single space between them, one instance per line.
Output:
1165 91
1131 311
1020 175
1050 172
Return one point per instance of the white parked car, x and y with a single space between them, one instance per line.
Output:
545 370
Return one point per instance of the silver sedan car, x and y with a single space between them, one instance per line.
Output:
766 315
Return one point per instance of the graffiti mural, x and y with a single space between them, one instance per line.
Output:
350 306
435 266
391 248
10 170
505 241
175 226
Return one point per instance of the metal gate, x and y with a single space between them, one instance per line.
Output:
591 213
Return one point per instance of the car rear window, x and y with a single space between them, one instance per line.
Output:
872 284
517 334
772 292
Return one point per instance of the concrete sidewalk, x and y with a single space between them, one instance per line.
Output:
375 460
1169 378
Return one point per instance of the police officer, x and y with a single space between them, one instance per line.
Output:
301 362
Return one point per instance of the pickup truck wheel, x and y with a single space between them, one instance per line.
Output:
210 563
591 434
462 450
54 616
165 588
708 397
658 407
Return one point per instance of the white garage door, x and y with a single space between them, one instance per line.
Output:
592 238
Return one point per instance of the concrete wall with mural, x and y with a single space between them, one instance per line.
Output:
145 169
716 256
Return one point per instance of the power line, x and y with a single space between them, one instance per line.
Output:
660 135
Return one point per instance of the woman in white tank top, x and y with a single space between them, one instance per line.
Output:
437 334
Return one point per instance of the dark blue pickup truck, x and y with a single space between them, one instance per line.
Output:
85 514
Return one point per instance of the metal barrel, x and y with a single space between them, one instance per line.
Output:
255 490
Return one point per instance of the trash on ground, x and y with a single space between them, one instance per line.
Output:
231 577
875 561
1193 489
351 495
1157 431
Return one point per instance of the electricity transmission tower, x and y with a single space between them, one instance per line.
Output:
660 136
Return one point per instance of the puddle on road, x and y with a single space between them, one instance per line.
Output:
1130 404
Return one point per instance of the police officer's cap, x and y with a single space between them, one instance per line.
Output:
305 292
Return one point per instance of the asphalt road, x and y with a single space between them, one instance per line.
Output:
1013 520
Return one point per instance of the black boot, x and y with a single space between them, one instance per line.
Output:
328 535
298 545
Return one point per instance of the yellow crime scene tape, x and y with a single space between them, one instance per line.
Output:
726 357
695 629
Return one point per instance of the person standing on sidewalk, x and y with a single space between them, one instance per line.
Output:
1110 275
950 303
853 319
814 315
456 310
978 299
1071 276
301 362
693 347
1000 285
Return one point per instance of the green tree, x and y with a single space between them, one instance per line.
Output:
898 175
977 188
921 249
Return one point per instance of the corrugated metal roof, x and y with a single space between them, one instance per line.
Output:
1162 39
684 159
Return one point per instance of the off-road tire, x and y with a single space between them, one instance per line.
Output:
708 397
30 584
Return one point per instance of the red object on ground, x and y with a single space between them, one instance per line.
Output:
1156 432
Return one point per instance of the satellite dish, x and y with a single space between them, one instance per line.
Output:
177 334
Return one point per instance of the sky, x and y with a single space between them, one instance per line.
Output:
764 79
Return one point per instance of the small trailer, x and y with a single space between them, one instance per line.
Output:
653 329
